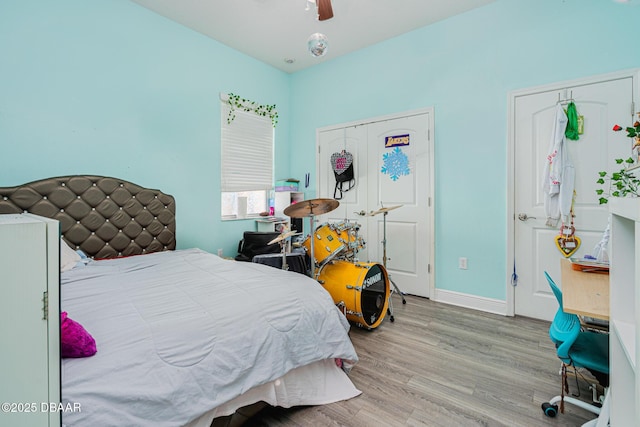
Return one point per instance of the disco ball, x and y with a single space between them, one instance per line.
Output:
317 44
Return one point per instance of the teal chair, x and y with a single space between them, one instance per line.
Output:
577 349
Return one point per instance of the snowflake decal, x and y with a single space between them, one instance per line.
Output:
396 164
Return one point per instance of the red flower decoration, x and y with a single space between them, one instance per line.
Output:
617 128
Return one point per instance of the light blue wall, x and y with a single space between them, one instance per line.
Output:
107 87
464 67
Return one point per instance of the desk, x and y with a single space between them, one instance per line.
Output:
584 294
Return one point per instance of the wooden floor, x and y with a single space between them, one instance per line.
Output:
441 365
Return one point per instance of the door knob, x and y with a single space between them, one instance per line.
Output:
524 217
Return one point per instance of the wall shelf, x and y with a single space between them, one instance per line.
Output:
284 199
624 334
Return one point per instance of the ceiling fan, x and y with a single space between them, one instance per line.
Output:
325 11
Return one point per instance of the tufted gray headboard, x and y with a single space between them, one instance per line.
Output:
104 217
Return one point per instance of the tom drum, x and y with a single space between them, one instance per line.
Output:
361 288
326 245
348 235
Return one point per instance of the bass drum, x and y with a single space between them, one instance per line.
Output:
360 289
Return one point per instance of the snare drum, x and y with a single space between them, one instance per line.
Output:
361 288
325 246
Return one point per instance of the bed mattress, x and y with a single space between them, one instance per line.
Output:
181 333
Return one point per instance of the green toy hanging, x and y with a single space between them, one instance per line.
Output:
571 132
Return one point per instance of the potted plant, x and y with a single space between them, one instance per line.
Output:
622 183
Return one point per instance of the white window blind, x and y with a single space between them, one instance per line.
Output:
247 151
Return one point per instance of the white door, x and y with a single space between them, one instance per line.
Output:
602 104
403 183
352 140
392 159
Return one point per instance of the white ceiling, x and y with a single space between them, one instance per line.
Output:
274 31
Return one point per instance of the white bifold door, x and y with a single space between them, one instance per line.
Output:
392 159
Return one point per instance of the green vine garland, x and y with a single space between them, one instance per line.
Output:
235 102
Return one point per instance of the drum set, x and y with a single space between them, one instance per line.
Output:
360 289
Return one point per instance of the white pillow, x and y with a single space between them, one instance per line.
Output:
68 257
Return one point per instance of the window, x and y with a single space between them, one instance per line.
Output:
246 161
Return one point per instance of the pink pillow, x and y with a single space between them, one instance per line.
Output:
75 341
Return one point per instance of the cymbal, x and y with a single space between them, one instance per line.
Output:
282 237
311 207
383 210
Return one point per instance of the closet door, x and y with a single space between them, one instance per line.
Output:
353 140
602 103
399 177
30 322
393 163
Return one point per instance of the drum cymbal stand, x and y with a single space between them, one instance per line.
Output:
283 240
312 254
355 242
311 208
285 266
384 263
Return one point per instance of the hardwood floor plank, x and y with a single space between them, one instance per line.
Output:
441 365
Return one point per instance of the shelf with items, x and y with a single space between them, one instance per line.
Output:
271 223
284 199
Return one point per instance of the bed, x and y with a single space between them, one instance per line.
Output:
183 337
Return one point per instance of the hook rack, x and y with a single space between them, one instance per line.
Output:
566 101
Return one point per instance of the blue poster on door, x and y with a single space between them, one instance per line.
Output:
395 164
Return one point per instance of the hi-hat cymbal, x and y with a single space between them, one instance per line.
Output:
311 207
282 237
383 210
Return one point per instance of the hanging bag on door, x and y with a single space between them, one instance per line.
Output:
342 164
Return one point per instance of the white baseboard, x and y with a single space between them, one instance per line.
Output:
471 301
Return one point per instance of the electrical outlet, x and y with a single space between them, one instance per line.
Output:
462 263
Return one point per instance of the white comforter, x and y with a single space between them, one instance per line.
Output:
179 333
